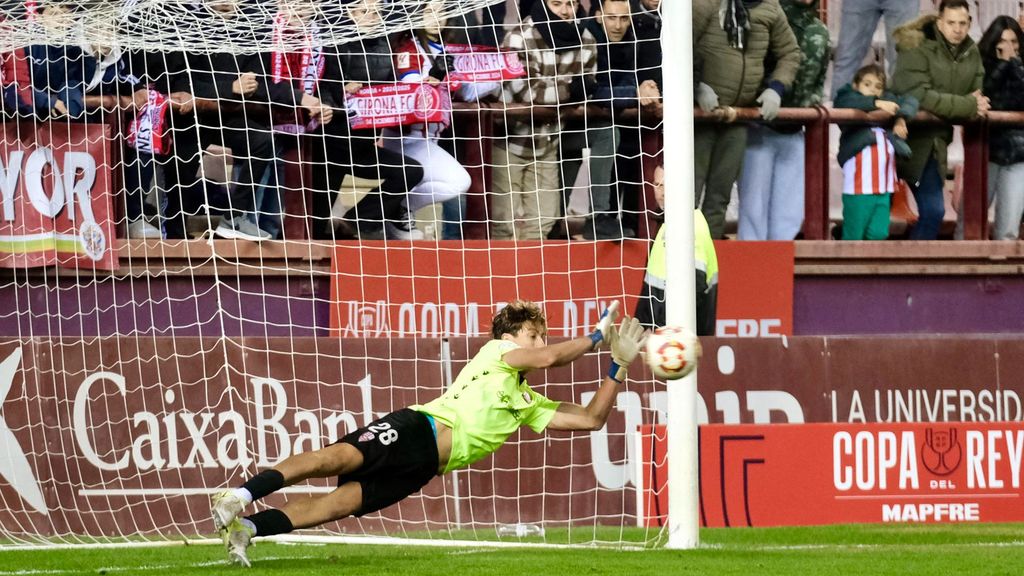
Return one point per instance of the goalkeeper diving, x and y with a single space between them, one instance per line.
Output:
391 458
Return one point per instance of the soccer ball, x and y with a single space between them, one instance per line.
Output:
672 352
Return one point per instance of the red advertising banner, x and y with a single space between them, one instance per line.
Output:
454 288
112 432
388 105
755 289
753 475
57 196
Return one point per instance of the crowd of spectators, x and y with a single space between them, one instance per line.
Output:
594 67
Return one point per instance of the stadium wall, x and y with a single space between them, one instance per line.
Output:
131 435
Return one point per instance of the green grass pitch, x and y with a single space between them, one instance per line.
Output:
928 550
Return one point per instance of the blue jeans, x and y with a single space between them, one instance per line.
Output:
772 185
931 204
857 28
453 212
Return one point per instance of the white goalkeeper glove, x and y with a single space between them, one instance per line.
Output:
626 344
604 326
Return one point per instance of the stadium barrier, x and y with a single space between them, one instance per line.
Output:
476 124
112 436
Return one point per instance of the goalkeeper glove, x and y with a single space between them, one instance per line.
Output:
626 344
605 325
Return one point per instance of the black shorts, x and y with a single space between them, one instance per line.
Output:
399 457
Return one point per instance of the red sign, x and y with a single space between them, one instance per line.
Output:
56 196
388 105
484 64
751 475
454 288
755 289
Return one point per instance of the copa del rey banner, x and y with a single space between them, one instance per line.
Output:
752 475
389 105
397 289
56 196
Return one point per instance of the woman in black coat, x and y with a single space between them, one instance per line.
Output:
1004 85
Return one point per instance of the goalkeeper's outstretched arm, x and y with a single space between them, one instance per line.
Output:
626 344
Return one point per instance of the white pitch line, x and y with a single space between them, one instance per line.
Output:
106 492
101 545
732 547
143 568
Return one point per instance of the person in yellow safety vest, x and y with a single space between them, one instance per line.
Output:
650 310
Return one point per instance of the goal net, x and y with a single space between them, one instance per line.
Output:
235 230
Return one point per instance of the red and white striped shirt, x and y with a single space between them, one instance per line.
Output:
873 169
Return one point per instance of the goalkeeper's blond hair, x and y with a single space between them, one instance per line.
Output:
513 316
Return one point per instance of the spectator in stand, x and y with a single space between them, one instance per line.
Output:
87 81
647 31
20 98
772 183
615 89
858 22
230 83
732 44
650 308
289 83
1004 84
168 73
868 155
420 58
561 60
383 212
940 66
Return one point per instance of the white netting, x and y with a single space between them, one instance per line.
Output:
153 351
237 26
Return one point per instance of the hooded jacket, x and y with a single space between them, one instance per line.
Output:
736 75
1004 84
941 77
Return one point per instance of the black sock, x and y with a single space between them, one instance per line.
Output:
270 522
264 483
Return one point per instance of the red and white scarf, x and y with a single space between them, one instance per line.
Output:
148 131
306 68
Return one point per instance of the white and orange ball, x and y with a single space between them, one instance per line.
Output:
672 352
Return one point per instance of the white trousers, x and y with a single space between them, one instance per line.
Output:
443 177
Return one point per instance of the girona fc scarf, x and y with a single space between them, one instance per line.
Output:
306 67
303 69
148 131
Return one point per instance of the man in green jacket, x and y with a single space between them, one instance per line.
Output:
732 38
940 66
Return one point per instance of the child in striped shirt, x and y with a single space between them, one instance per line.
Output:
868 154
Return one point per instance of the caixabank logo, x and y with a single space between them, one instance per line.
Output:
14 466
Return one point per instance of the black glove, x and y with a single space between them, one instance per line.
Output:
443 64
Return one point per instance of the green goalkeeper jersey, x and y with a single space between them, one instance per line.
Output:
487 403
